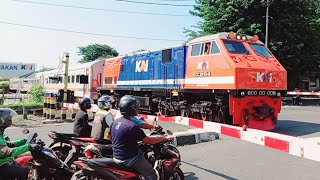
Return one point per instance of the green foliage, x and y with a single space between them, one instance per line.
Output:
27 105
95 51
3 86
293 28
36 93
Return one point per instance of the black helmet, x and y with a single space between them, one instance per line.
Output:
85 103
6 115
129 105
105 102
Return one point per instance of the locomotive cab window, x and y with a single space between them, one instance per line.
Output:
235 47
196 48
214 48
166 55
260 50
206 47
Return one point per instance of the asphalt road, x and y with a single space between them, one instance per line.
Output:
303 121
230 158
233 159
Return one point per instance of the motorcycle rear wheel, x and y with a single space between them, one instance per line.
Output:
178 174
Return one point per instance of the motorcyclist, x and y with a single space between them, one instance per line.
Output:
125 135
9 150
102 119
139 121
81 126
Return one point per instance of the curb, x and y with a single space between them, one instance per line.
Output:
194 136
56 121
304 148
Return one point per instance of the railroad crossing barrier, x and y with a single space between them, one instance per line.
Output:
296 146
304 93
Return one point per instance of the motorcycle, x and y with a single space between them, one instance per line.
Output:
61 143
44 162
164 157
81 149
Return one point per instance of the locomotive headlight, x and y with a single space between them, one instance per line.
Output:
278 94
242 93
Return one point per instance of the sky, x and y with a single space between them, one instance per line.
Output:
45 47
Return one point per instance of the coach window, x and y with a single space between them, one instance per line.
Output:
78 78
108 80
115 80
69 79
72 79
196 48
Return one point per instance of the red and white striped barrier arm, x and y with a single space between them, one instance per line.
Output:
94 107
293 145
304 93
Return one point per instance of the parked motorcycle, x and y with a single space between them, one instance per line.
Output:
164 157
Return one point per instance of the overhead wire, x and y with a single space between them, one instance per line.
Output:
97 9
153 3
86 33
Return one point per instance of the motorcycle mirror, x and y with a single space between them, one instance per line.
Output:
25 131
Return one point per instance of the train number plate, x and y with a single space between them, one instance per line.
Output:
261 93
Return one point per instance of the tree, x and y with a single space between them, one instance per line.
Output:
3 86
36 93
95 51
293 28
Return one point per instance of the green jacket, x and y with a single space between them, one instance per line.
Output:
8 154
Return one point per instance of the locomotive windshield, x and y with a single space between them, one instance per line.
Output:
261 50
235 47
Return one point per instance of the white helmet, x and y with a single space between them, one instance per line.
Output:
6 115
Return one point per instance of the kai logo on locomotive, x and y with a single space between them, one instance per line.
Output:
203 65
142 65
264 77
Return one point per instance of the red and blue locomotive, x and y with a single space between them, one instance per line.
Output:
226 78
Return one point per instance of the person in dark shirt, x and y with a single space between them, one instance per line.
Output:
81 126
125 135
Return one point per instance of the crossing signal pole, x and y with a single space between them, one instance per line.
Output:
65 89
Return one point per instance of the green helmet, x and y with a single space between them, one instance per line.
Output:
6 115
105 102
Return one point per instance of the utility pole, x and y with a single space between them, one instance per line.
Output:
267 24
65 90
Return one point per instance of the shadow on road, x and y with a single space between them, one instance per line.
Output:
190 176
296 128
193 175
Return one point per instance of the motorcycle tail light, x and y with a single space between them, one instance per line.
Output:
170 164
88 154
